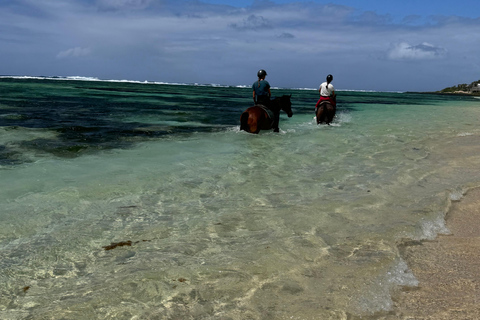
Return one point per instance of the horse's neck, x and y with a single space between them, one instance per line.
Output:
275 105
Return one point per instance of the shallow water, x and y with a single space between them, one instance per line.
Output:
211 222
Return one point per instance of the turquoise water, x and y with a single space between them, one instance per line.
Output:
216 223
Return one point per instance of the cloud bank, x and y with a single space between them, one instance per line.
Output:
424 51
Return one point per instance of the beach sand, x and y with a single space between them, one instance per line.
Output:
447 268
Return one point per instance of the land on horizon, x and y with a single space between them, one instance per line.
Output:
470 89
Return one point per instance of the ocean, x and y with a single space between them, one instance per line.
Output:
129 200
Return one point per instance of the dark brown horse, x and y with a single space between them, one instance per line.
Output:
257 118
325 112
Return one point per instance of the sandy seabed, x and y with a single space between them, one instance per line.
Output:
447 268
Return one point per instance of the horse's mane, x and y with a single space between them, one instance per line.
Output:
275 104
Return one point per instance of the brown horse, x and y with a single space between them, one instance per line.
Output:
257 118
325 112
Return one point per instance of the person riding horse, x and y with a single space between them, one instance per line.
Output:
261 89
262 95
326 106
327 92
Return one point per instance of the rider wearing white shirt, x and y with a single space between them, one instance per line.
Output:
327 92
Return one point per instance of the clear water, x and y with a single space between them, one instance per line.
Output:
216 223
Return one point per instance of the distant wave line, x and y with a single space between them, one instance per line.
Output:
82 78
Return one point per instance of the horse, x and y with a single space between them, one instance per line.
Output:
325 112
257 118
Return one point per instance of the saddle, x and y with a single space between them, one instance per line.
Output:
269 112
326 102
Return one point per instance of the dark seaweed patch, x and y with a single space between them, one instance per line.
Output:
128 243
114 245
9 157
88 117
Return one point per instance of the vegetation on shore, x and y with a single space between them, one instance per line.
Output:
472 88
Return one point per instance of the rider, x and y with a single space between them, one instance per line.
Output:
327 92
261 96
261 89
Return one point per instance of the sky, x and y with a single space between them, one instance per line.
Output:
382 45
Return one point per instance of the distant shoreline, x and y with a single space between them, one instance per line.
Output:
472 89
455 93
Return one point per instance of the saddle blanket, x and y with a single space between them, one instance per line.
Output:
268 111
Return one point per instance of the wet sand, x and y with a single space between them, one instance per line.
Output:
447 268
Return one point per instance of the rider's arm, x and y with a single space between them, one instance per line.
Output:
254 96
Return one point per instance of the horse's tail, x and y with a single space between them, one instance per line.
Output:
324 112
329 112
244 122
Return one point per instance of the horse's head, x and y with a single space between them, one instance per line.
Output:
286 105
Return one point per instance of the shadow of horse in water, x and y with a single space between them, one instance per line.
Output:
325 112
256 118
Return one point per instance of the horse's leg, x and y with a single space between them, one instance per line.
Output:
276 121
244 122
317 111
320 112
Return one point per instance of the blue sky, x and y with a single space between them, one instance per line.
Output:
367 45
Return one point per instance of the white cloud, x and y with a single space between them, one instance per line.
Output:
74 52
424 51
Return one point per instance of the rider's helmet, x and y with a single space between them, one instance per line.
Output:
261 73
329 78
